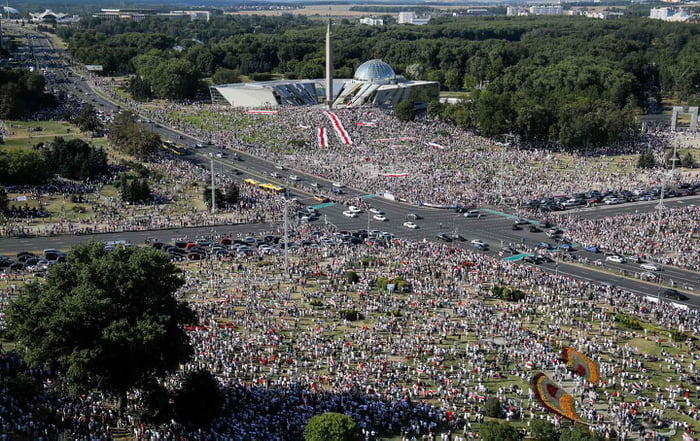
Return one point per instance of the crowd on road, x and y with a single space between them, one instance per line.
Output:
424 361
670 239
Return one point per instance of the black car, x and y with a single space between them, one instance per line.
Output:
673 294
444 237
516 227
534 229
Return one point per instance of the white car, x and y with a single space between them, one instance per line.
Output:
379 217
521 221
410 225
294 177
648 275
275 175
650 266
338 185
615 258
349 214
613 201
354 209
472 213
479 242
314 184
279 167
376 210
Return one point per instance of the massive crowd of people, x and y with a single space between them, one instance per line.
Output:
418 362
177 184
438 163
671 238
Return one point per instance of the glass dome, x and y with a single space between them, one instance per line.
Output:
375 71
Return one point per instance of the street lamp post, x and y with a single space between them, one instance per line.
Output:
286 236
213 189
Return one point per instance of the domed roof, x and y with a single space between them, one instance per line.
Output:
374 71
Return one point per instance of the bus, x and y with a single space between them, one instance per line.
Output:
271 188
251 182
174 148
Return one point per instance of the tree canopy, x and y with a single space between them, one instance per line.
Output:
133 138
494 431
75 159
106 320
21 93
572 80
332 426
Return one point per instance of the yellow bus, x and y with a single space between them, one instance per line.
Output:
252 182
271 188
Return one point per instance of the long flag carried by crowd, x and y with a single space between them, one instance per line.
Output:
581 365
338 126
321 137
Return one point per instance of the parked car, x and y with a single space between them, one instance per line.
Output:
673 294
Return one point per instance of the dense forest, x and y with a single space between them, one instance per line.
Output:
21 93
573 80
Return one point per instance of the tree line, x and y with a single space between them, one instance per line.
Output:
70 159
22 93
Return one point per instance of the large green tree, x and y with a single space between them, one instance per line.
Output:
494 431
332 426
405 111
132 137
106 320
199 400
542 430
25 167
4 201
87 119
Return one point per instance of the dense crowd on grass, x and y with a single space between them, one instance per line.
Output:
442 164
420 360
672 239
175 184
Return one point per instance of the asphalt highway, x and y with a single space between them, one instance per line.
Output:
492 227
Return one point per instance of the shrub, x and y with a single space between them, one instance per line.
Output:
381 282
316 302
492 408
628 321
352 277
678 336
352 315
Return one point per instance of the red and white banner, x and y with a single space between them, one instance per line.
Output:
408 138
687 437
367 124
436 146
321 137
395 175
338 126
261 112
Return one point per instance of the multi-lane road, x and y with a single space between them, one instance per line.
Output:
493 227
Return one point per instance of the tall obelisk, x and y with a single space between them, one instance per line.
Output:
329 66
